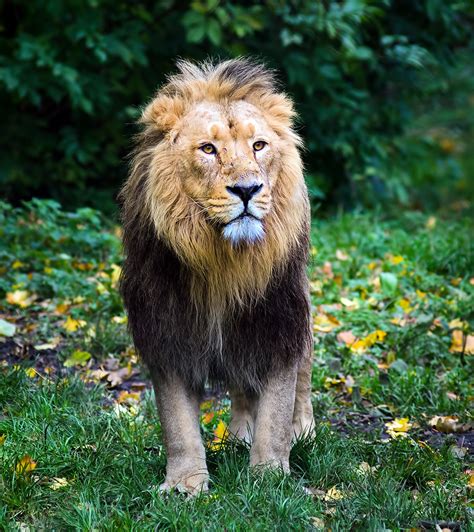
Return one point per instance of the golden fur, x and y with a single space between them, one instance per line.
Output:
186 194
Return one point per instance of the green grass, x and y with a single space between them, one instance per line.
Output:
408 278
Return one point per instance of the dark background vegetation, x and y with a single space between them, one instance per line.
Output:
384 90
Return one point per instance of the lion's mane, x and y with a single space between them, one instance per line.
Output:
187 288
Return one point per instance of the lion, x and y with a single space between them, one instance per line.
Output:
216 234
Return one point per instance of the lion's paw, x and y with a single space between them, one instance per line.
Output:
191 484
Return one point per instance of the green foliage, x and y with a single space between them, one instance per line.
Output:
73 73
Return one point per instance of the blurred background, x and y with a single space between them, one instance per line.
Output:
384 90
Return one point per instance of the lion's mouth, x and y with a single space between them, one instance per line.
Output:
242 215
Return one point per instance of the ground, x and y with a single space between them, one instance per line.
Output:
80 443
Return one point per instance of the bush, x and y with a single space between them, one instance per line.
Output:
73 73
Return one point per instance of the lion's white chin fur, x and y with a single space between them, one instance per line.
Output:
244 230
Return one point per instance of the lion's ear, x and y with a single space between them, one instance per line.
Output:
279 107
163 112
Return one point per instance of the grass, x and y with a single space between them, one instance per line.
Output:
80 442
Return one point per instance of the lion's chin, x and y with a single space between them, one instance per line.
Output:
244 230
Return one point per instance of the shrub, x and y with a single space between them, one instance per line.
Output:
73 73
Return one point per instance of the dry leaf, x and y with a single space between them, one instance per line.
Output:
448 424
334 494
398 427
58 483
220 435
341 255
346 337
207 417
71 325
325 323
362 345
462 343
350 304
21 298
3 437
128 397
25 465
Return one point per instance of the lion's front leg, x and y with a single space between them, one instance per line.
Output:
303 419
178 408
273 424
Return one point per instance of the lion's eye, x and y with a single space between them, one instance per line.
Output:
259 145
209 149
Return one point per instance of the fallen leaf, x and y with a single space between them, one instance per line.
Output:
341 255
457 324
116 377
325 323
318 523
31 372
470 481
7 328
327 270
78 358
397 259
127 397
448 424
119 319
115 276
398 427
333 494
405 305
350 304
346 337
362 345
207 417
431 222
462 343
3 437
62 308
58 483
71 325
26 464
220 436
21 298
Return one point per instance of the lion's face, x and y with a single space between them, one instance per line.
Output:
229 160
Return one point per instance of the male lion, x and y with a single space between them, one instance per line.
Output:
216 222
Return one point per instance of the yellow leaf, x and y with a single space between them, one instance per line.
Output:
470 482
325 323
397 259
405 305
431 222
62 308
220 431
78 358
398 427
119 319
125 396
116 271
462 343
420 294
31 372
47 270
350 304
3 437
17 264
71 325
21 298
334 494
58 483
362 345
457 324
26 464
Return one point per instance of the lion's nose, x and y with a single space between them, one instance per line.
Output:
245 193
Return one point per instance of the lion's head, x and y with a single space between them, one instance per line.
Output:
218 173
